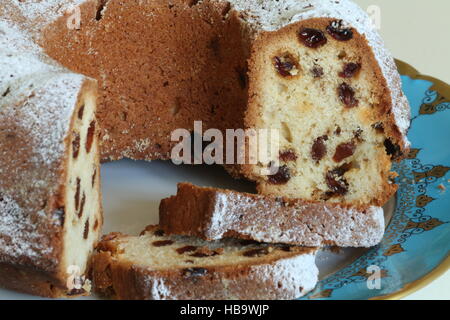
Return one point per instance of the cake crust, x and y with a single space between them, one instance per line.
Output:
213 214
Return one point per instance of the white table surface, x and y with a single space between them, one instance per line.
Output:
417 32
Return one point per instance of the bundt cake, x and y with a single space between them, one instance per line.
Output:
157 267
213 214
313 69
50 206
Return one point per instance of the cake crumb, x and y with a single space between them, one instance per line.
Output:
442 187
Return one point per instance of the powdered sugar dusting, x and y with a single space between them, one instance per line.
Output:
296 222
37 100
18 237
40 13
298 270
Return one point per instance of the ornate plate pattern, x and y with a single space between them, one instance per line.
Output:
415 249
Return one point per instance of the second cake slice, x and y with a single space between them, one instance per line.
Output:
213 214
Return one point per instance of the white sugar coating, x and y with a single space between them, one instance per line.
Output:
273 15
300 269
36 81
22 239
295 276
37 99
316 224
39 13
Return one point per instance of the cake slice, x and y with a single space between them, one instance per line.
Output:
157 267
213 214
50 203
332 90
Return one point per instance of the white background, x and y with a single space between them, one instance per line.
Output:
418 32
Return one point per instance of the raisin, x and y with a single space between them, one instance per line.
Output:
338 131
245 242
86 229
288 155
312 38
206 252
194 272
286 248
256 252
94 175
8 90
339 32
286 65
336 182
186 249
159 233
80 112
343 151
76 145
162 243
319 149
77 194
392 149
111 236
347 95
378 127
350 70
317 72
282 176
90 136
83 201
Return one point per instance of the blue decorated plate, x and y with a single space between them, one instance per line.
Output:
415 249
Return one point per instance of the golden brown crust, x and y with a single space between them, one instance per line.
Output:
213 214
173 77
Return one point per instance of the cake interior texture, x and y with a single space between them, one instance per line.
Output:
168 252
83 203
330 110
155 266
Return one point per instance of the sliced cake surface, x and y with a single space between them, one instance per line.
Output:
213 214
153 266
331 89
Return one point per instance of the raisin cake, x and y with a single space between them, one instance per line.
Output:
50 208
333 92
153 266
213 214
316 70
